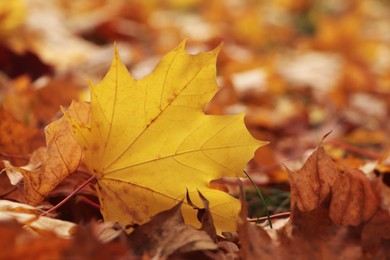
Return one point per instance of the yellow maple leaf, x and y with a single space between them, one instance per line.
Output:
149 140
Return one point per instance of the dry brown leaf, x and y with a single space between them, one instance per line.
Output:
334 215
376 233
353 199
87 245
204 216
166 234
312 184
61 158
312 235
16 139
29 217
308 235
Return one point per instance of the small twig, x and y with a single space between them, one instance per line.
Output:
69 196
275 216
262 198
354 149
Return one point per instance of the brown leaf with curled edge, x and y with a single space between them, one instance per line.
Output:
307 235
311 184
334 215
353 199
312 235
167 234
61 158
204 216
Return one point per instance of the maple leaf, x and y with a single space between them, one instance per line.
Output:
352 200
166 234
334 215
149 140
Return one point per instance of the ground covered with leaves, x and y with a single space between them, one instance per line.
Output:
209 130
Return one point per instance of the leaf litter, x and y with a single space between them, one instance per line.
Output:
320 69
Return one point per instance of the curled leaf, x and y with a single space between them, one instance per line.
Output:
311 184
204 216
353 199
166 234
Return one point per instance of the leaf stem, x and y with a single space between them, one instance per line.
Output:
69 196
262 199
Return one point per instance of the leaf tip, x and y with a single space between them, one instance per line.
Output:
116 53
182 44
324 137
217 49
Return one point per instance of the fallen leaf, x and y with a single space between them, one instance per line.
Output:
312 184
149 140
166 234
86 244
61 158
34 163
9 191
313 235
332 217
354 200
29 217
204 216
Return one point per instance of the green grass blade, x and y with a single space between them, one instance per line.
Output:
262 199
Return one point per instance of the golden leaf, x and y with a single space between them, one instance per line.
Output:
149 140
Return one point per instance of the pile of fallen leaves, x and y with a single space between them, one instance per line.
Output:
160 163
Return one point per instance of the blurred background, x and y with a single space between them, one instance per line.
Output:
298 69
